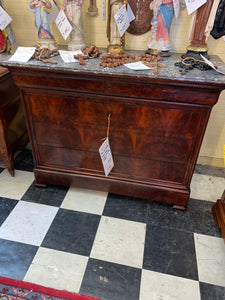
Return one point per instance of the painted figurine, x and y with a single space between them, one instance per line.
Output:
41 9
163 13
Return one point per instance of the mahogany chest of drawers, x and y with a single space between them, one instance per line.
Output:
156 127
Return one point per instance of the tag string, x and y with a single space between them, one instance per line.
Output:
108 127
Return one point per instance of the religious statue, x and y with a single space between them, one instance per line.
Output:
73 12
163 13
116 42
41 9
8 40
198 36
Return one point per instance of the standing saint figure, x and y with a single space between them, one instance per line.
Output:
73 11
201 25
116 42
41 9
163 13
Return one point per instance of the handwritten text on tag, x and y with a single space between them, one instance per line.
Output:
106 156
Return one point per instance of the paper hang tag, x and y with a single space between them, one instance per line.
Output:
63 24
130 13
5 19
106 157
122 20
193 5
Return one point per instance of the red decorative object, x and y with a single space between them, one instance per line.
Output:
2 42
28 288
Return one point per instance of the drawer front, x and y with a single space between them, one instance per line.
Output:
147 139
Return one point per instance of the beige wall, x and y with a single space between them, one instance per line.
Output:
94 32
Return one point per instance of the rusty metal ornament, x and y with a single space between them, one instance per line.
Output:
143 16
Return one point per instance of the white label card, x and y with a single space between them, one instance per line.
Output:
106 157
22 54
5 19
122 20
138 66
63 24
68 56
212 65
130 13
193 5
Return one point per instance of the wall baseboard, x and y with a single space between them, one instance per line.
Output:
211 161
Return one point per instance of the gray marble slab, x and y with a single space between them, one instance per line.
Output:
171 72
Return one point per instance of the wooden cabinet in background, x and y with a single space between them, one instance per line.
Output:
13 132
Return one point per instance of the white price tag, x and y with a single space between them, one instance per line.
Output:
22 54
137 66
122 20
213 66
63 24
5 19
106 157
193 5
68 56
130 13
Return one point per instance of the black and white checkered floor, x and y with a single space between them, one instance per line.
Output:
111 247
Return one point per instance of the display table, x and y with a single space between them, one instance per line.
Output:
156 128
13 132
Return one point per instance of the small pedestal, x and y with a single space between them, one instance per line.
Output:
47 43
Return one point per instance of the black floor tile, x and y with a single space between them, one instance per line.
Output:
6 206
197 218
171 252
50 195
210 171
109 281
15 258
128 208
24 161
72 231
211 292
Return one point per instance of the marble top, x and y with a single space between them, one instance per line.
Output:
171 72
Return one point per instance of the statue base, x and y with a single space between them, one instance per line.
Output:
195 52
47 43
118 49
76 45
158 52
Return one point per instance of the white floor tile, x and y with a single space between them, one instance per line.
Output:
83 200
204 187
15 186
28 223
159 286
210 253
56 269
120 241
